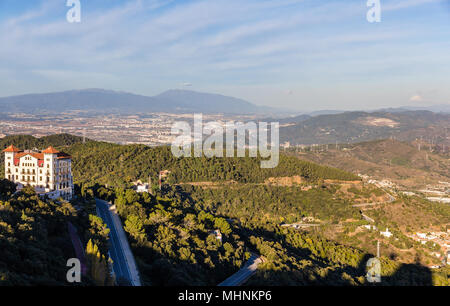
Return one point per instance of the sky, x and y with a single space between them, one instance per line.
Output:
302 55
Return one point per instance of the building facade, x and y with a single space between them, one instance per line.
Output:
48 171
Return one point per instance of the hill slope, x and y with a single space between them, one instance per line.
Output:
112 164
351 127
399 161
170 231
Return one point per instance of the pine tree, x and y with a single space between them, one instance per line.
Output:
98 265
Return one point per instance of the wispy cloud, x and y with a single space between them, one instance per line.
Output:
146 45
403 4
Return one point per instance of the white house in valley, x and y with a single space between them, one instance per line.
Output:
48 171
387 233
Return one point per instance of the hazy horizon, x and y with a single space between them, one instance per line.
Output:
300 55
297 111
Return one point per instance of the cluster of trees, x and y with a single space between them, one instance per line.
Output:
273 204
302 258
7 188
116 165
29 142
296 258
35 241
175 243
172 233
99 265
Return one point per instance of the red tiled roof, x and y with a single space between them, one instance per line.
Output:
40 156
50 150
11 148
35 155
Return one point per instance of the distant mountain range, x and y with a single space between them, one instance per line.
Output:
440 108
172 101
99 100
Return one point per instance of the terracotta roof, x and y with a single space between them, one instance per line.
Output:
50 150
11 148
34 154
40 156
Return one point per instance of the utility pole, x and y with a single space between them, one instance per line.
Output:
378 248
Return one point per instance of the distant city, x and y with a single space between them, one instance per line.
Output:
151 129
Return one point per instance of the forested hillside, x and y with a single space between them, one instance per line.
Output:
30 142
172 237
171 231
352 127
112 164
408 164
115 165
35 243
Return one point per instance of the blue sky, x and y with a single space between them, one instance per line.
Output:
300 54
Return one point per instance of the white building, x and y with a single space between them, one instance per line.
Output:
142 188
48 171
370 227
387 233
422 235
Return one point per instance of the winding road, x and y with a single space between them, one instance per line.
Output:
244 273
124 266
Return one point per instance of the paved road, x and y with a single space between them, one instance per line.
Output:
301 225
367 218
244 273
119 249
78 246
